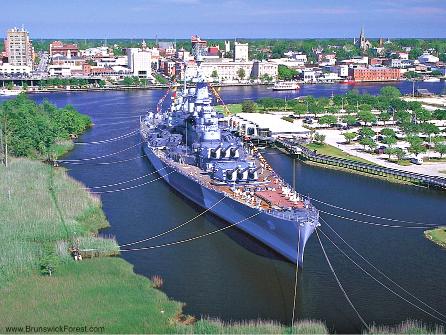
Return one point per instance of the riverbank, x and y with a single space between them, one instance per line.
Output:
42 208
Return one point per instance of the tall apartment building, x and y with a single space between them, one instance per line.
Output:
19 48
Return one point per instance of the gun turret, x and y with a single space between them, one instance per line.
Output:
235 151
216 151
241 173
231 174
252 172
226 152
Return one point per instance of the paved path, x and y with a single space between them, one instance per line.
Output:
336 139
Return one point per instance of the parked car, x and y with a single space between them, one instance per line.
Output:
379 151
418 161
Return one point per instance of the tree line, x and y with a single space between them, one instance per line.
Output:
34 130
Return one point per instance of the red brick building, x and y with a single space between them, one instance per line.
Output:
57 47
374 74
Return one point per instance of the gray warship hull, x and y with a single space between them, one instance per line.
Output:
283 232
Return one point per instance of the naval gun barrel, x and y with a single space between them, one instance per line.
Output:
216 148
231 171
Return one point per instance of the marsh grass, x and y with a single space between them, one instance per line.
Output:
217 326
38 205
94 292
407 327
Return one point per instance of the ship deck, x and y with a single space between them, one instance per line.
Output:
267 192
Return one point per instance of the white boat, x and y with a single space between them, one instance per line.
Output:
7 92
286 85
431 79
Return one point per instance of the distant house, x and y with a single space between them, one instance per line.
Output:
422 92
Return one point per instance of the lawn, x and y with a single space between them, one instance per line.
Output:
329 150
437 235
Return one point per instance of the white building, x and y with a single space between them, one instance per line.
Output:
309 76
265 125
92 52
339 70
428 58
60 70
19 47
241 52
139 62
7 69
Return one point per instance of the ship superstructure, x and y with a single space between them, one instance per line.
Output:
208 164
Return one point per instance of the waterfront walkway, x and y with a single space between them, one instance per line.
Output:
337 139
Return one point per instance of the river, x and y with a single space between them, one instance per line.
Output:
233 277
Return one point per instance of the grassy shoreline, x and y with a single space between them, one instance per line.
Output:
43 206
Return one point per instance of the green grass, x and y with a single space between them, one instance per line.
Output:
329 150
233 108
40 204
401 162
407 327
437 235
98 292
216 326
43 209
442 171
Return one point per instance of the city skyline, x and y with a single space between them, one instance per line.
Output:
224 19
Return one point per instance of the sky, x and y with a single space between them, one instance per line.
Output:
225 19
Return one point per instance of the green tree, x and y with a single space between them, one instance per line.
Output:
49 261
319 138
248 106
214 74
389 140
365 141
241 73
416 149
315 109
384 116
328 119
440 148
390 91
389 151
74 82
365 107
349 119
402 116
349 137
414 140
128 81
366 116
366 132
388 132
399 153
439 114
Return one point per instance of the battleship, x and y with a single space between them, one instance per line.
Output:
194 151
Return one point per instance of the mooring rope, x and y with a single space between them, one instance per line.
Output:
339 283
372 216
175 228
104 163
124 182
295 282
383 285
99 157
135 186
379 271
193 238
373 223
109 140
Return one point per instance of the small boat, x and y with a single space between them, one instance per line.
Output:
349 80
9 92
431 79
286 85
